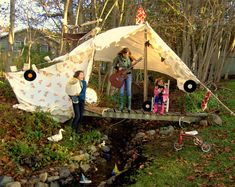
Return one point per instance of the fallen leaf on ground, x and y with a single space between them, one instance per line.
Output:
191 178
231 158
4 159
227 149
220 185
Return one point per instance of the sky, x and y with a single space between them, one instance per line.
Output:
21 7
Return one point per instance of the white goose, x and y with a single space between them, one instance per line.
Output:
56 137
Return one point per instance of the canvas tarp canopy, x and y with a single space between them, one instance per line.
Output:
47 91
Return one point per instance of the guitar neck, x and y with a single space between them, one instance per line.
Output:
136 62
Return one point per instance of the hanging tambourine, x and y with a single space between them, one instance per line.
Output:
190 86
147 106
30 75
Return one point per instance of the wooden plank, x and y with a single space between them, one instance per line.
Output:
95 109
149 116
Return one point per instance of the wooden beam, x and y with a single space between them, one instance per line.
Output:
148 116
145 66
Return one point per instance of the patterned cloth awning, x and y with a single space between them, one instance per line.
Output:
47 91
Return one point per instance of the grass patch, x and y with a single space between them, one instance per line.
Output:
190 166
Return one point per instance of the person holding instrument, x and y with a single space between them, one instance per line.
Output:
122 62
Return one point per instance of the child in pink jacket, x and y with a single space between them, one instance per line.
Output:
160 96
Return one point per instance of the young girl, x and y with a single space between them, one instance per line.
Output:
160 96
78 99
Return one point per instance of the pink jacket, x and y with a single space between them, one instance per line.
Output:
165 93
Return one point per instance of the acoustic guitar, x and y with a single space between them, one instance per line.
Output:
117 79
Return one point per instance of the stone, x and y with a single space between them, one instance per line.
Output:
105 137
85 167
96 154
140 135
54 184
93 149
41 184
111 180
215 119
13 184
5 179
43 177
166 130
79 158
53 178
64 172
34 179
151 132
203 123
23 181
102 160
87 156
66 181
73 167
102 184
105 149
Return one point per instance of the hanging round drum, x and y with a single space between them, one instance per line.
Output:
147 106
190 86
30 75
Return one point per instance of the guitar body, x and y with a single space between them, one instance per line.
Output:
117 79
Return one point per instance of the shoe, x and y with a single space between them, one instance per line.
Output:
84 180
121 103
162 109
155 108
129 103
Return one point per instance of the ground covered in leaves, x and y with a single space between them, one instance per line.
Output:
24 148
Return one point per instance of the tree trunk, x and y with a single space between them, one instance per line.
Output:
64 26
115 24
122 12
224 55
78 12
11 37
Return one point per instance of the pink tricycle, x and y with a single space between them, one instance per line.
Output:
198 141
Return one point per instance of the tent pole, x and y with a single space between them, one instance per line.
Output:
145 66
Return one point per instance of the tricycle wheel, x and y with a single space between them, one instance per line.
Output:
178 146
206 147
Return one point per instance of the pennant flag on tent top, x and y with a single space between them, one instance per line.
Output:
140 15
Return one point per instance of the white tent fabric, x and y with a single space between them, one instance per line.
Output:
47 91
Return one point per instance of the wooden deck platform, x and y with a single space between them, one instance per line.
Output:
140 114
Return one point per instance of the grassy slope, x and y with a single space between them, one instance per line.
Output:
192 167
24 135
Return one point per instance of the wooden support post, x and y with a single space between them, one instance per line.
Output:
145 67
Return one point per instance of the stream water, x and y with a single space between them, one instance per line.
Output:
120 136
126 155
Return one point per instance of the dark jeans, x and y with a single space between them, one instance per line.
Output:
158 100
78 109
